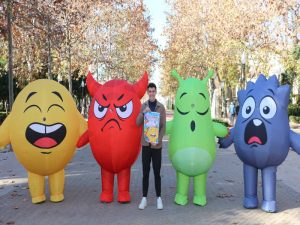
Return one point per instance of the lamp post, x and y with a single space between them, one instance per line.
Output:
243 70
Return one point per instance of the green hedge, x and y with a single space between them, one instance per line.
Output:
222 122
294 119
294 110
2 116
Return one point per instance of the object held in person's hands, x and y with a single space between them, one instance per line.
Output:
151 127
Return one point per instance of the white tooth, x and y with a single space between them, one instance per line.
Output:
50 129
257 122
39 128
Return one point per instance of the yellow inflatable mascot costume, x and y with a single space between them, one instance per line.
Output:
43 129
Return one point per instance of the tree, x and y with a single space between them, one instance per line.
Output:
121 45
214 33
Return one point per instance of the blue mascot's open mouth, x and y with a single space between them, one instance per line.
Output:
255 132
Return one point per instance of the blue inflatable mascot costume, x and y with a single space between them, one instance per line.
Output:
262 137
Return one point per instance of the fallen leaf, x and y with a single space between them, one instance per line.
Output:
224 195
230 181
10 222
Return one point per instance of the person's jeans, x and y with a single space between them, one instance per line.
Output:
149 154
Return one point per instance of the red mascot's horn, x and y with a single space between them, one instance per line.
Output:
140 87
91 84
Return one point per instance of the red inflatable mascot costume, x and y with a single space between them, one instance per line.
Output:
114 137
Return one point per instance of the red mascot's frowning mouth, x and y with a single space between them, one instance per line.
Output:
110 124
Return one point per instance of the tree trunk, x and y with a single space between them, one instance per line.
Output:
70 70
220 92
69 59
10 55
49 49
97 63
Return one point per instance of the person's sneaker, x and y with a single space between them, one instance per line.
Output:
143 203
159 203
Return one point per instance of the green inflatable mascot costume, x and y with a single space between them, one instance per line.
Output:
192 147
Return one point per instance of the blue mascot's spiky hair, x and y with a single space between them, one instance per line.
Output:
262 83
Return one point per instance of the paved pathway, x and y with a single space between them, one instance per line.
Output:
81 205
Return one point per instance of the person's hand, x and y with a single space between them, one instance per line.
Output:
147 109
153 144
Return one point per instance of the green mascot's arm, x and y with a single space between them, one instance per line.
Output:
220 130
4 133
169 127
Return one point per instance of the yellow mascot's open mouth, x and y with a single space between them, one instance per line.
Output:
45 136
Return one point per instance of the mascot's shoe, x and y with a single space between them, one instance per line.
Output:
159 203
181 199
106 197
124 197
38 199
143 203
269 206
199 200
57 198
250 202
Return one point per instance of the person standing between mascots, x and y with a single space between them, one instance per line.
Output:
231 113
152 151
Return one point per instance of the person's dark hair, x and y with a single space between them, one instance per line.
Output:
151 85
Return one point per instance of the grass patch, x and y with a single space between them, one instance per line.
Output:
2 116
226 124
294 119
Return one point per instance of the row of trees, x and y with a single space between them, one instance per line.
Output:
62 39
214 34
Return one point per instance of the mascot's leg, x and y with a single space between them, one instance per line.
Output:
37 187
56 185
250 187
107 186
183 182
200 189
123 186
269 189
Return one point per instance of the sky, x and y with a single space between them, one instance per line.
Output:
157 9
158 20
